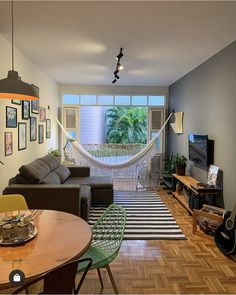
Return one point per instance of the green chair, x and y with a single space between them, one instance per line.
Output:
108 234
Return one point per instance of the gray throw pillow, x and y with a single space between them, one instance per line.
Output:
63 172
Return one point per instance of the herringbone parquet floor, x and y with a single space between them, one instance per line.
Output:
192 266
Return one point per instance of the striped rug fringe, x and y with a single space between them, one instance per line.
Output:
147 216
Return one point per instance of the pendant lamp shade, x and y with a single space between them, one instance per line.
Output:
13 87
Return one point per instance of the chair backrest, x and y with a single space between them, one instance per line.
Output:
12 203
108 231
60 280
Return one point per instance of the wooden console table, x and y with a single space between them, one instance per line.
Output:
192 191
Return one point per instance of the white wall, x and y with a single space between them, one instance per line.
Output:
49 95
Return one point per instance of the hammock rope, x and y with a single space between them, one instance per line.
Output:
127 168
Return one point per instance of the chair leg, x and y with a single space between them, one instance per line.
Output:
90 261
112 279
100 277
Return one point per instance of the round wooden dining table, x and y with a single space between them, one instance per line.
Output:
61 237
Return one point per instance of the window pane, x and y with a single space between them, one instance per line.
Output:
105 100
158 143
156 100
122 100
139 100
71 99
70 118
88 99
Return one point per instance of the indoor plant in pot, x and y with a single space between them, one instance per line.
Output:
180 164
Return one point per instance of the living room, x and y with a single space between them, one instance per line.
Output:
202 87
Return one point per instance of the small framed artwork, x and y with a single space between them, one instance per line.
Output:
25 109
42 114
41 133
11 117
22 142
8 143
33 128
16 101
48 128
35 106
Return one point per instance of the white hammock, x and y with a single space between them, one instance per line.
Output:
129 168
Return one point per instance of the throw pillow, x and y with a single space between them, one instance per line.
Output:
63 172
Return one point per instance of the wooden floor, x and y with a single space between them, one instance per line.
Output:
192 266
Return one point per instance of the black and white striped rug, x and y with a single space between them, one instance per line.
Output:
147 216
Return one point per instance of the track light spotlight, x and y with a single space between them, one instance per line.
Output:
118 66
119 56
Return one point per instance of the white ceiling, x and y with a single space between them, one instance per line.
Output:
76 42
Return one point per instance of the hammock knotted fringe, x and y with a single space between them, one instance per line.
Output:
125 169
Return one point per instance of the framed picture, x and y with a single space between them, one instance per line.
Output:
41 133
48 128
42 114
33 128
25 109
16 101
8 143
35 106
22 143
11 117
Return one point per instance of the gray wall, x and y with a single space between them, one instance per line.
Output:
207 96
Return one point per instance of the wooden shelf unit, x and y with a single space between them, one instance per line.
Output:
187 181
195 192
183 201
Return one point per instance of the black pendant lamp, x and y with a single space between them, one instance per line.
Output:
13 87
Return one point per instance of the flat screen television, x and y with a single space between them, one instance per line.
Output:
201 150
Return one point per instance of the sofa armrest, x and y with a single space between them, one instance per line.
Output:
79 171
49 196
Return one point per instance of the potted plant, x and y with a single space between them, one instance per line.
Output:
180 163
54 153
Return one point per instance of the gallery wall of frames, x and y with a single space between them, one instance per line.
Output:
27 112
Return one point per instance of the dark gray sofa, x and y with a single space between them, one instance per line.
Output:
46 184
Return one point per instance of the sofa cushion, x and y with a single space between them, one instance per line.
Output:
51 161
51 178
63 172
20 179
92 181
34 172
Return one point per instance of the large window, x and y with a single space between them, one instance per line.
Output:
116 100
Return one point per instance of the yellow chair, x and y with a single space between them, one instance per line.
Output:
12 203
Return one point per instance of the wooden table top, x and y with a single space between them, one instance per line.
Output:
61 237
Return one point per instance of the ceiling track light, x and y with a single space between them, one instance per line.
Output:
120 55
13 87
119 66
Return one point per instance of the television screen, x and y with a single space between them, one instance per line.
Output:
198 149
